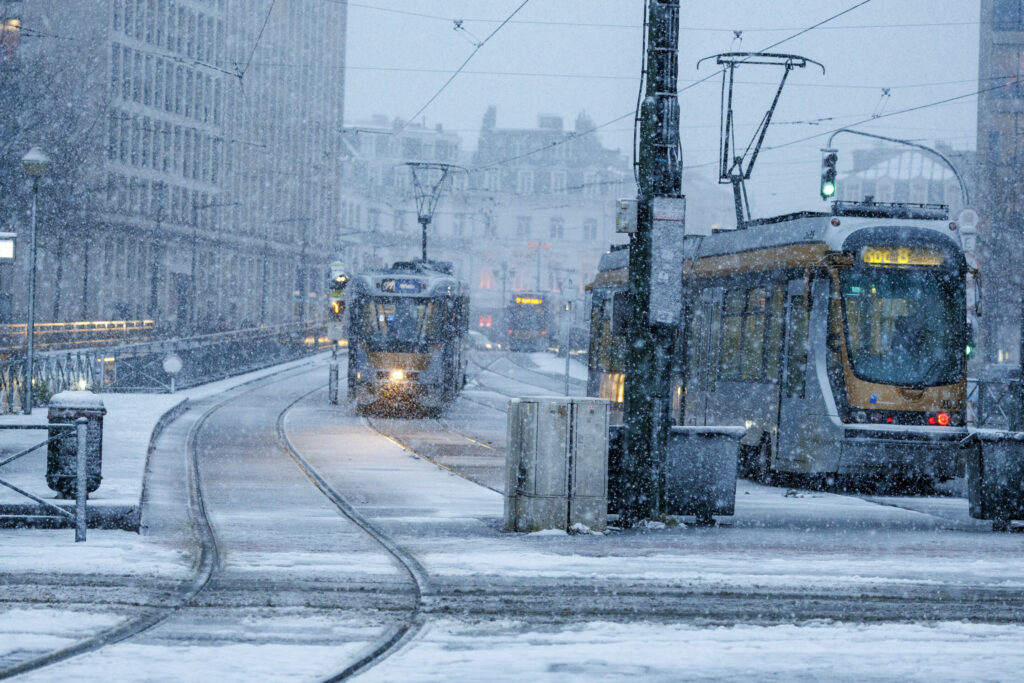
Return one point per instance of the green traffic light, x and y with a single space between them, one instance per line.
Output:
968 350
828 189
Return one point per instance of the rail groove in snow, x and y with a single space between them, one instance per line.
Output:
398 636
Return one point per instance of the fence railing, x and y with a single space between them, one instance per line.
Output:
994 402
139 367
81 473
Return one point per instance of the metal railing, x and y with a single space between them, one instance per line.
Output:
994 402
139 367
81 492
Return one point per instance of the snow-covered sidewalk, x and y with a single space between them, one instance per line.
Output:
127 430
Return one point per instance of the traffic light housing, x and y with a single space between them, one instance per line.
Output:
829 157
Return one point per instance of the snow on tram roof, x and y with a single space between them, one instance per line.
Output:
799 228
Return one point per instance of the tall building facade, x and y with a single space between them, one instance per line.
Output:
195 148
1000 182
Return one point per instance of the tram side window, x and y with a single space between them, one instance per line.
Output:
773 347
753 334
796 363
732 330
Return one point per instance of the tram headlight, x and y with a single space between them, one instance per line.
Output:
397 375
860 416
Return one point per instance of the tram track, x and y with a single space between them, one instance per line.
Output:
204 569
397 636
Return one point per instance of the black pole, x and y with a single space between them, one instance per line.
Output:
424 221
648 363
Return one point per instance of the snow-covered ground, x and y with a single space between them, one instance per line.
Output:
907 591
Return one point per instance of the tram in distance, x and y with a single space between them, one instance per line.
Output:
838 340
407 330
530 321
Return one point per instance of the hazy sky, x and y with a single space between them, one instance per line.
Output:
572 56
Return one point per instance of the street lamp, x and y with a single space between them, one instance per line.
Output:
36 165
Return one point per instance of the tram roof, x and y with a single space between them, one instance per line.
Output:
803 228
434 275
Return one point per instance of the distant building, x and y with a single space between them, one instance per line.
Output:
534 209
1000 201
195 157
549 211
898 174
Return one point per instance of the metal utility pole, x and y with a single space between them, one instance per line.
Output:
651 330
428 181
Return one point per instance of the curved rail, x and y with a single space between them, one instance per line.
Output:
417 574
208 561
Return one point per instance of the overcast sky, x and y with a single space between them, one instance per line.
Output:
571 56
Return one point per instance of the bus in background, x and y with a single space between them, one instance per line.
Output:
530 321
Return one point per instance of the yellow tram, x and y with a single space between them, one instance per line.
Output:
407 330
838 340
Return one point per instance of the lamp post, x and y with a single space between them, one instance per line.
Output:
36 165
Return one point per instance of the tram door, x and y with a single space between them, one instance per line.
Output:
703 359
794 406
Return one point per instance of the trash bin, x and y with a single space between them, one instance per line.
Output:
62 453
995 475
700 471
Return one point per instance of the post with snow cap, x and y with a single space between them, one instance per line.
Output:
36 164
655 271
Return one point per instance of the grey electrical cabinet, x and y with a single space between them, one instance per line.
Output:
556 465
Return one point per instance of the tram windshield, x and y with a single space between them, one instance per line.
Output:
400 319
904 326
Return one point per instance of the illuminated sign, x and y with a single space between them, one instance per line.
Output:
531 301
902 256
7 245
401 286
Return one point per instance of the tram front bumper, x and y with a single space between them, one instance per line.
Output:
932 452
396 391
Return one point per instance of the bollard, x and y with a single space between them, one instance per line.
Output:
81 429
61 470
332 383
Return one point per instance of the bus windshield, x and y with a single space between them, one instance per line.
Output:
905 326
400 319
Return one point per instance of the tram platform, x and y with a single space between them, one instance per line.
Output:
130 427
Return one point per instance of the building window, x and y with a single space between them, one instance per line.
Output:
558 181
524 182
459 225
590 229
523 226
557 228
1008 15
1007 61
492 180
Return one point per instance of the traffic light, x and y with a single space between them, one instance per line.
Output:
828 173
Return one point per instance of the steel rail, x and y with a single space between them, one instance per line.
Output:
421 585
207 564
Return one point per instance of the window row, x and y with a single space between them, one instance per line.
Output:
145 143
160 202
126 258
162 83
751 334
172 26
